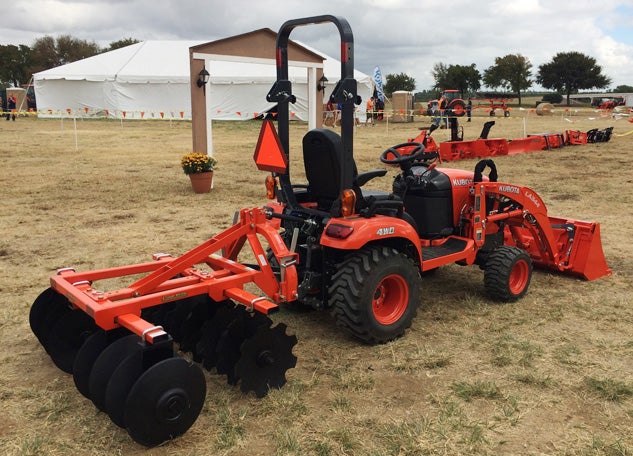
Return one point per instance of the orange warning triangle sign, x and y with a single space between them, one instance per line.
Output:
269 153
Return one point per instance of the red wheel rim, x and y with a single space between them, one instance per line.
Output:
519 277
458 110
390 300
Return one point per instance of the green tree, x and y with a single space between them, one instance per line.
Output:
15 61
465 78
71 49
569 72
511 72
394 82
120 44
44 54
49 52
623 89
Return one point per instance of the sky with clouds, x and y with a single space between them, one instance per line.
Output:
399 36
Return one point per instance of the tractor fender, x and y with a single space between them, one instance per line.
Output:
352 233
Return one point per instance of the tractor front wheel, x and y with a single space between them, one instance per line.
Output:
507 273
457 108
375 294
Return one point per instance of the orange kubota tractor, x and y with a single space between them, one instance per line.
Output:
450 103
328 243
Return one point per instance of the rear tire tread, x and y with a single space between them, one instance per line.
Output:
353 312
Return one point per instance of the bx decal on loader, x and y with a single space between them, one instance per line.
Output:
328 243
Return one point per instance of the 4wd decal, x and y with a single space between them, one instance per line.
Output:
386 231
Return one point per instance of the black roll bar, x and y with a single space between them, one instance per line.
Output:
345 93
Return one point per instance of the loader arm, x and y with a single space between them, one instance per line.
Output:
565 245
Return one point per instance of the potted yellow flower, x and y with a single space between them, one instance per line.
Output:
199 167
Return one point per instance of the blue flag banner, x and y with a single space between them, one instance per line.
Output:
378 82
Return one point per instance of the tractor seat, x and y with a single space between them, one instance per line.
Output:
322 158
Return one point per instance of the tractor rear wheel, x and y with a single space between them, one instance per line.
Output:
507 273
375 294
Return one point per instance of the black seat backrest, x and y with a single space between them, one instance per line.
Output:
322 157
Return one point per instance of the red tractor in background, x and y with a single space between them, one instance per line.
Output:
328 243
449 104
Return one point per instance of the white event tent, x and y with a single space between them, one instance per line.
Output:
151 79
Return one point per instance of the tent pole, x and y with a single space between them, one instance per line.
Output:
207 107
312 97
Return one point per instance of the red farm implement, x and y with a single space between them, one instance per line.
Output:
495 101
459 149
329 244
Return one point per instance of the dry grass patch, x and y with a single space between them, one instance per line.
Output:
550 374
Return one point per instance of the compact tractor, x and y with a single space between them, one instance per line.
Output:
328 243
450 103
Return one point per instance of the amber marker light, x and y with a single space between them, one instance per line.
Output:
348 202
271 186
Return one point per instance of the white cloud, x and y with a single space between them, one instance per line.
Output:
407 36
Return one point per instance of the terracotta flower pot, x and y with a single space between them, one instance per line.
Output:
201 182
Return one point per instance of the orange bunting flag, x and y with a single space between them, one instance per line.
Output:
239 113
292 114
142 114
124 113
86 109
162 115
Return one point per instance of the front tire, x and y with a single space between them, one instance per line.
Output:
507 273
375 294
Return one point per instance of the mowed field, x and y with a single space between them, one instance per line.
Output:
551 374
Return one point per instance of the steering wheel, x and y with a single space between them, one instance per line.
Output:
398 159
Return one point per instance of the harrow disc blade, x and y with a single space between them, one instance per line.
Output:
191 327
88 354
138 361
176 316
45 311
121 382
67 336
228 348
104 366
211 332
165 401
265 359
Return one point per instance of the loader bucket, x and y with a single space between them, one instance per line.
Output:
586 257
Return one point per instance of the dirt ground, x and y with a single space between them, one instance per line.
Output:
550 374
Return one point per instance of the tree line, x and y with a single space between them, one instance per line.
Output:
19 63
566 74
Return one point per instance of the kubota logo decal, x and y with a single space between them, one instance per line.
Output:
509 189
462 182
386 231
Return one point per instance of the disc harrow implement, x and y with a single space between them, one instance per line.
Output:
136 352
